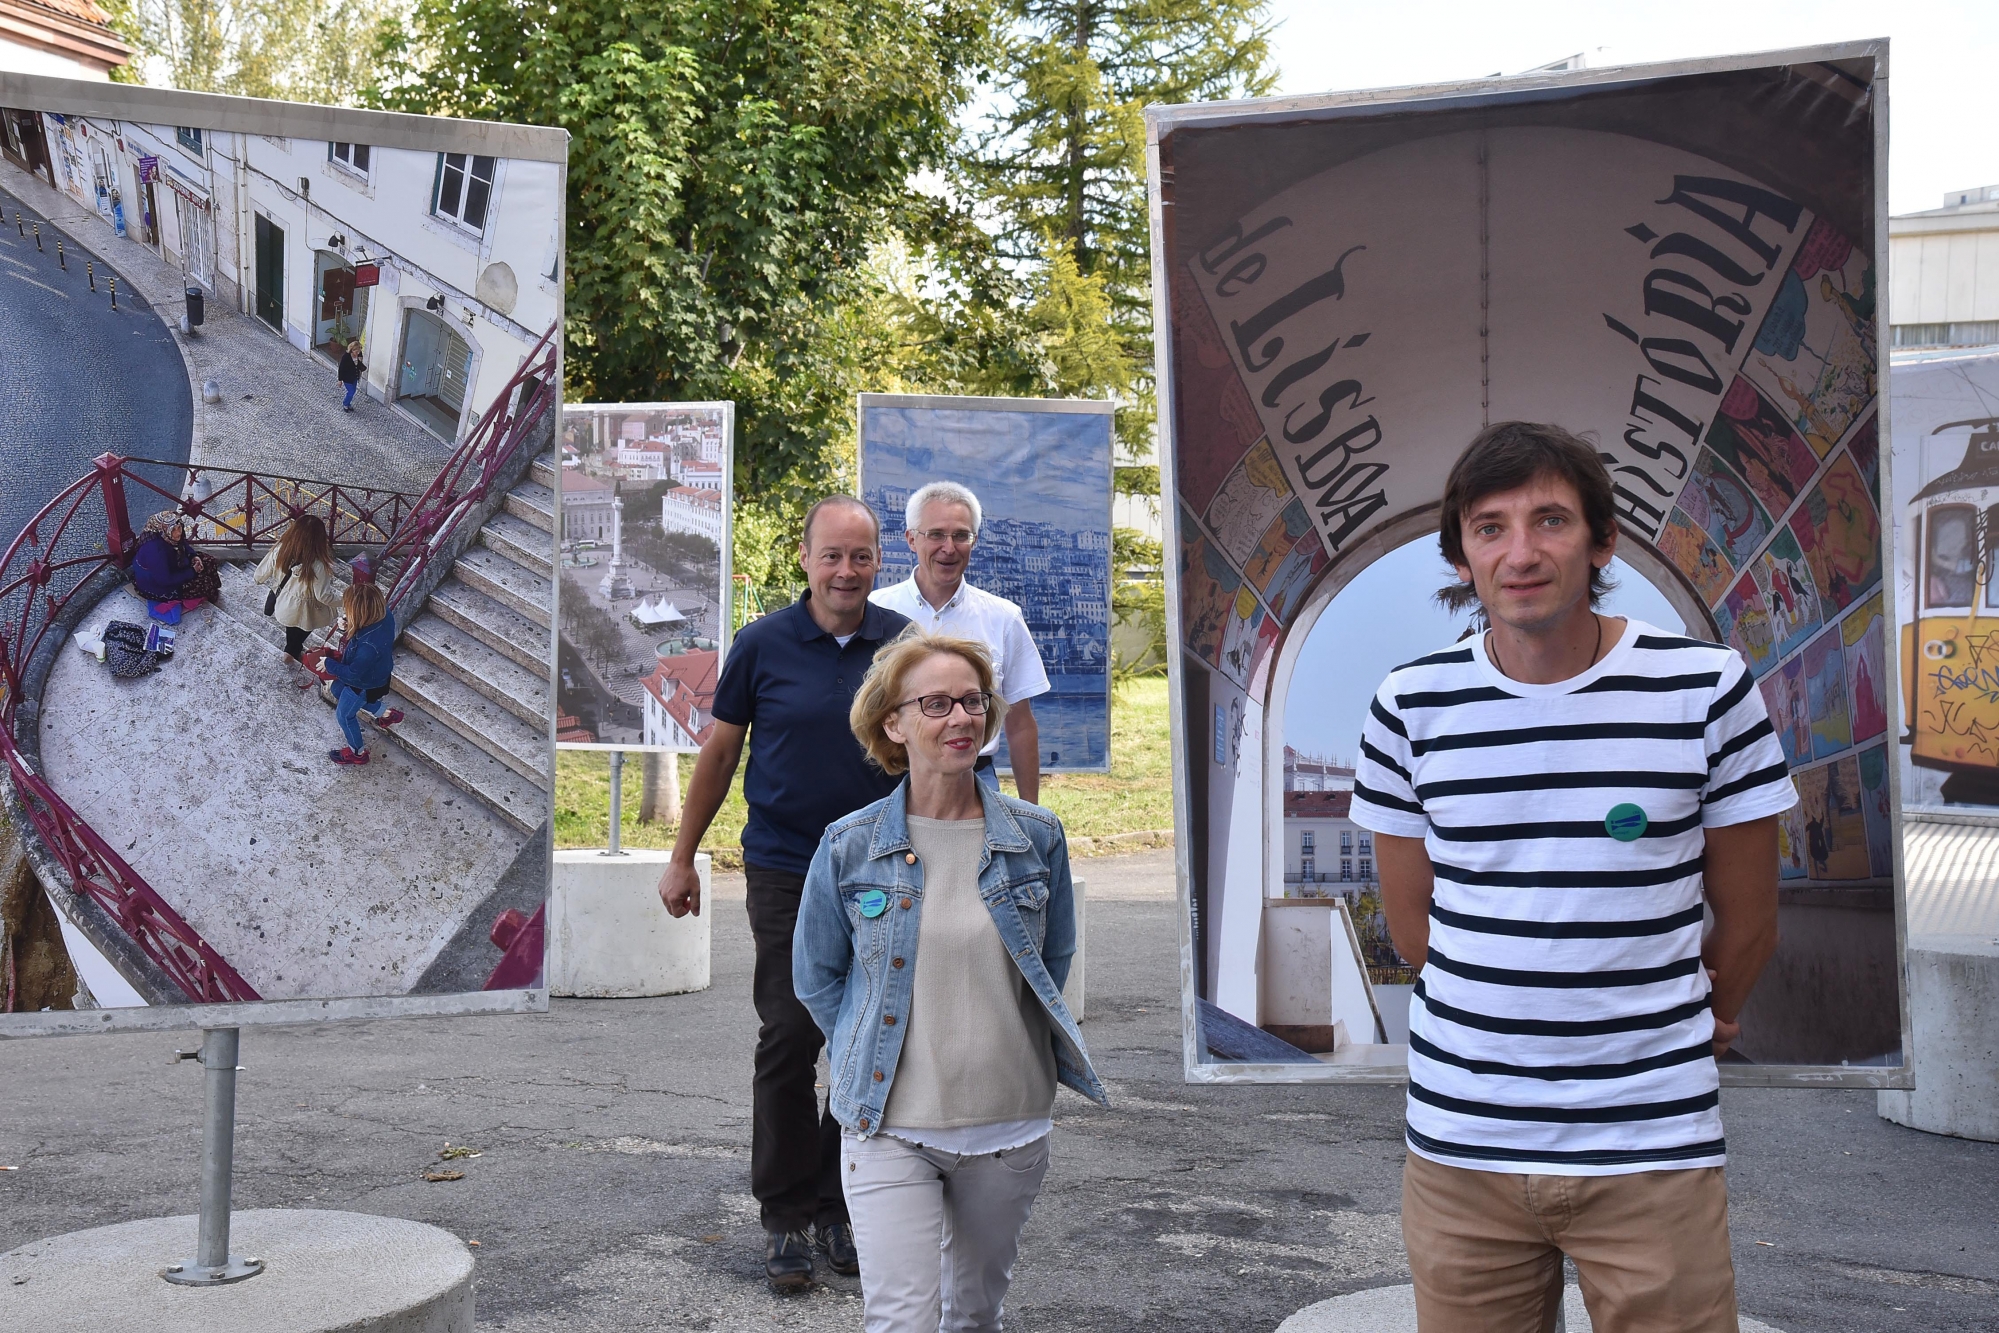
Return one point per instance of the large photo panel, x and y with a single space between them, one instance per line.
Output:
646 603
1680 263
277 557
1041 468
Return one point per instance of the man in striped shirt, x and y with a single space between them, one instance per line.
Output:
1559 803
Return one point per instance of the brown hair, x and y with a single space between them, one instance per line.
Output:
882 690
1507 455
304 545
364 605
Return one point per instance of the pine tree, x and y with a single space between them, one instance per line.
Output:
1061 165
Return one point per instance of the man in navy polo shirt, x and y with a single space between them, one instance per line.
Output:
791 678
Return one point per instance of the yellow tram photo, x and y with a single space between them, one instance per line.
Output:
1950 653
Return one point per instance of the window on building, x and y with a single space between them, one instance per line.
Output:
188 138
1308 841
1308 867
1346 869
464 189
1366 845
1366 869
353 156
1963 333
1346 842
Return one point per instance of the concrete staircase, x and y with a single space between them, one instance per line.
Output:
472 667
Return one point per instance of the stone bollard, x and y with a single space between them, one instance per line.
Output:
609 936
1954 1016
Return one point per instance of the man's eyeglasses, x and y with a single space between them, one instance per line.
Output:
939 705
956 536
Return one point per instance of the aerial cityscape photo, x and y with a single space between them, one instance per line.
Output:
645 574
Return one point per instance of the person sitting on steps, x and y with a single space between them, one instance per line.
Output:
165 568
360 673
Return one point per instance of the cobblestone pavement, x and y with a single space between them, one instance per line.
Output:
612 1190
77 378
279 410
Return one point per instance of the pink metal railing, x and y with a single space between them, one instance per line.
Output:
478 463
87 528
45 567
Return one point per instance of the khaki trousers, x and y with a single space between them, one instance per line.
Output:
1486 1247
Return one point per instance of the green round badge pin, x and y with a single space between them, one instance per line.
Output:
1626 822
874 902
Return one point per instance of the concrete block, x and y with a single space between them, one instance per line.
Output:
324 1271
1954 1014
1393 1310
609 936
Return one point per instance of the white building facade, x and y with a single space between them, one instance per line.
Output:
1322 844
1944 268
444 265
690 510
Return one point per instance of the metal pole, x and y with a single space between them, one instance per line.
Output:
212 1264
617 801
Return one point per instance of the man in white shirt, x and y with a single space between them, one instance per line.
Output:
941 524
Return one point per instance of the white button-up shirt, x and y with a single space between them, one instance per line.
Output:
973 613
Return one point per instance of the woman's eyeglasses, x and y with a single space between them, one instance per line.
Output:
939 705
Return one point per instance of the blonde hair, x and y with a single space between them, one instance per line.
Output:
364 605
883 688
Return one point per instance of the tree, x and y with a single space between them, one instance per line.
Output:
297 50
1061 166
733 166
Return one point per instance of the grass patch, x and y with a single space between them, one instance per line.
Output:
1137 794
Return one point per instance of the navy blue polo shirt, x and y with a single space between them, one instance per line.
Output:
791 684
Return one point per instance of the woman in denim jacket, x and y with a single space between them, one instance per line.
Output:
933 938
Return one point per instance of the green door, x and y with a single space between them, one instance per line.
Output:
270 273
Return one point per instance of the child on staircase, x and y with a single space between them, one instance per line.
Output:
360 673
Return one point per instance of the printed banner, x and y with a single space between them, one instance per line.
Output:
1042 471
1680 269
645 604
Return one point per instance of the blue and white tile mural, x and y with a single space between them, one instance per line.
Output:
1042 471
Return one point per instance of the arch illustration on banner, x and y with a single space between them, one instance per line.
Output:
1680 263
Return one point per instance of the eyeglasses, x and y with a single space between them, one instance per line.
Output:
956 536
975 704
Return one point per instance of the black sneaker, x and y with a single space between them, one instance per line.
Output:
788 1262
835 1240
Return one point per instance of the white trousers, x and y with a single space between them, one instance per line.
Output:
937 1232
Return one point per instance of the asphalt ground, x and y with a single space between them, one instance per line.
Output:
612 1187
77 378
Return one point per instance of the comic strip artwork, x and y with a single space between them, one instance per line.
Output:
1755 438
1815 353
1778 529
1864 637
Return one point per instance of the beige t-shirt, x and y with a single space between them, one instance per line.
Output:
978 1050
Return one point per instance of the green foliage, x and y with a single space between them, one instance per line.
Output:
1062 165
297 50
1138 600
733 166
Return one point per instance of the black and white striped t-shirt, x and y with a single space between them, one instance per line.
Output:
1560 1024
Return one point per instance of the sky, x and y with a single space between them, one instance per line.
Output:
1941 62
1053 466
1386 617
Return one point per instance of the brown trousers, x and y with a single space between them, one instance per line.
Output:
1486 1247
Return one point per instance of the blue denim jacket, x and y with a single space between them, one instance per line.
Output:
857 973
